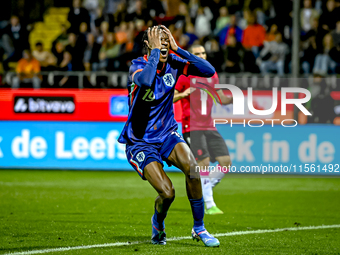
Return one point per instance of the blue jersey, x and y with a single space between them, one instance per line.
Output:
151 91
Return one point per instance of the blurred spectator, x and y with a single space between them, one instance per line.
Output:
128 51
46 60
231 29
119 16
156 8
318 6
91 52
233 55
259 8
77 15
27 70
138 45
92 6
83 28
99 19
335 57
323 62
317 31
193 8
171 7
104 30
311 45
139 13
309 54
14 40
6 47
307 14
322 104
271 35
58 52
181 39
253 36
108 53
82 37
190 32
329 16
222 20
202 23
234 6
121 33
215 54
62 38
336 33
76 48
111 6
183 17
273 56
214 6
66 65
129 45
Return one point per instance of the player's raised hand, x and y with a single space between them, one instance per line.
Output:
154 38
173 44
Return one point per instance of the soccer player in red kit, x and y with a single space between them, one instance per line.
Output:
198 130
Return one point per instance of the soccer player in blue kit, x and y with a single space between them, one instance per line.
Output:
150 133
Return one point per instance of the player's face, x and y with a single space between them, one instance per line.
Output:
199 52
165 47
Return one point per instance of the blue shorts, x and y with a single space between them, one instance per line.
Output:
140 155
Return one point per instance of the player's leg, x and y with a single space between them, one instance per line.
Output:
219 152
182 157
216 177
207 189
199 148
148 163
158 179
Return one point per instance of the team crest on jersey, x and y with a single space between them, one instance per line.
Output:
169 80
140 156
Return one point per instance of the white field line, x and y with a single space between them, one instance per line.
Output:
260 231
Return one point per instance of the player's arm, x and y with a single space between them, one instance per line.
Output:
224 99
192 65
145 75
178 95
197 66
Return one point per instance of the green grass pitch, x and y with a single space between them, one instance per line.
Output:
51 209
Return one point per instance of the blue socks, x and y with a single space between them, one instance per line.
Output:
197 207
158 220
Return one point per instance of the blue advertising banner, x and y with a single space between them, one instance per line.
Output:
309 149
68 145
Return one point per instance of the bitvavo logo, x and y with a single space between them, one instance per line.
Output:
238 105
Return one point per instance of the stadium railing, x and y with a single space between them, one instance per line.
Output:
119 79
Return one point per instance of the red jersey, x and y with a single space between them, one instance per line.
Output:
192 117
